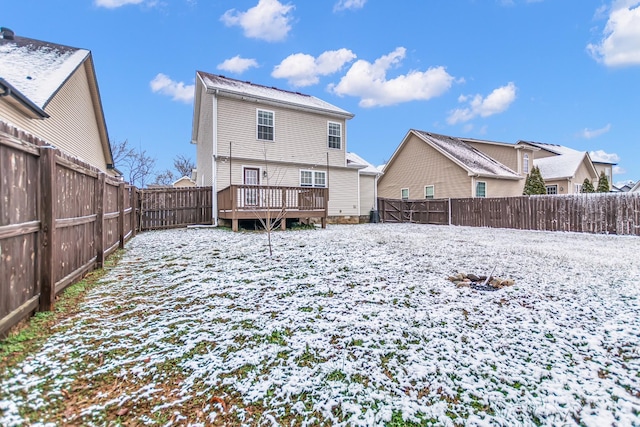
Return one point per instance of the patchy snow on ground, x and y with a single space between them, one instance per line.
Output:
354 326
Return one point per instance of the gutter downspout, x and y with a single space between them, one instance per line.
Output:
214 161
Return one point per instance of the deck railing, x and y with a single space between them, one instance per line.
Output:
256 201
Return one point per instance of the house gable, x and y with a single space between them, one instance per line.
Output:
53 94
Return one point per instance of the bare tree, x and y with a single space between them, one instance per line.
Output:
183 165
165 178
120 150
271 201
136 165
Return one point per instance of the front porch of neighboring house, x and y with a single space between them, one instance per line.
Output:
272 203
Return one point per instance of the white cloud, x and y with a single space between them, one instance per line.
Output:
349 5
603 156
178 91
617 170
589 133
112 4
369 82
620 44
304 70
269 20
237 64
496 102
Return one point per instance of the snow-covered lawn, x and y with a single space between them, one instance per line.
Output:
352 325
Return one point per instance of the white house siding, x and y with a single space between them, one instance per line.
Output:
367 193
73 126
300 137
204 147
343 192
416 165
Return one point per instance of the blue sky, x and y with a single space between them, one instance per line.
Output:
561 72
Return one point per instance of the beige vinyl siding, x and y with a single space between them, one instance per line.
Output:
505 154
299 137
584 171
204 147
418 164
502 187
367 194
608 171
73 125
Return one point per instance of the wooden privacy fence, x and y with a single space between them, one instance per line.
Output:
427 211
164 208
612 213
59 219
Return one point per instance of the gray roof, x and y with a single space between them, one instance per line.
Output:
466 156
552 148
272 94
37 69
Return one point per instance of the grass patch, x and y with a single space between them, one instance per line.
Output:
28 337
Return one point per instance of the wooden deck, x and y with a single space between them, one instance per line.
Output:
271 203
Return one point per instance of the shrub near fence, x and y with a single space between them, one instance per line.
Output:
59 219
612 213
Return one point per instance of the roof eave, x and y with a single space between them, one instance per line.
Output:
272 102
23 101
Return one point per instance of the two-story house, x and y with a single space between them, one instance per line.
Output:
272 152
50 91
429 165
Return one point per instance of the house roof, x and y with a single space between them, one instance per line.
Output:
467 157
37 69
562 166
364 167
551 148
226 85
33 71
635 188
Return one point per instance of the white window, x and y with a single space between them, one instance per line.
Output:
265 125
404 194
481 189
578 188
525 163
313 178
552 189
335 135
429 192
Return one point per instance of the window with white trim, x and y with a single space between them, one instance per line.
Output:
429 192
578 188
481 189
310 178
265 125
552 189
334 131
525 163
404 194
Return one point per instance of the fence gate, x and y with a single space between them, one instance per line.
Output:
428 211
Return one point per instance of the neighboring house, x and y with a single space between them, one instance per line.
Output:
429 165
50 91
565 169
252 138
185 181
635 188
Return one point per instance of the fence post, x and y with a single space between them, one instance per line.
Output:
134 211
121 213
99 238
48 225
